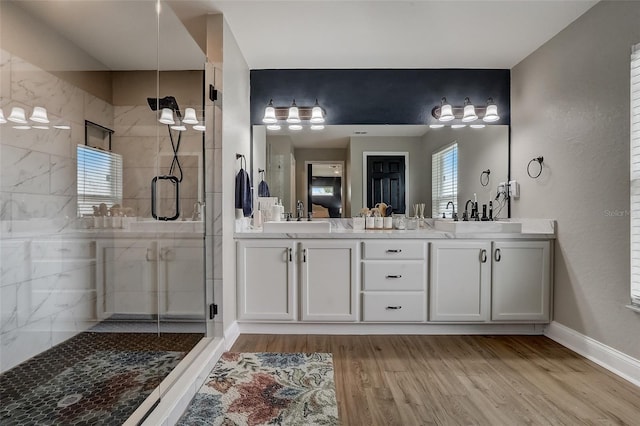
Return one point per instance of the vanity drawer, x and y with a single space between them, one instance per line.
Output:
394 249
393 307
391 275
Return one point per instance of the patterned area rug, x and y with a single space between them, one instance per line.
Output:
266 389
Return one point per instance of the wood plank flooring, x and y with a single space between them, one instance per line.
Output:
451 380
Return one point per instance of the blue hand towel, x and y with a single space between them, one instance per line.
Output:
244 200
263 189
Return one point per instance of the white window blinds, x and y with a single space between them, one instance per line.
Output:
635 174
99 179
444 179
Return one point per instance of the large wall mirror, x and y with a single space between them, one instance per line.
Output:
478 160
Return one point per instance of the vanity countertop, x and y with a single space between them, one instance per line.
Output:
532 229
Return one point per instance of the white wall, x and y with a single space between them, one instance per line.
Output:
570 104
236 134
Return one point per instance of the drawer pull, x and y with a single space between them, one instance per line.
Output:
497 255
394 276
394 307
394 251
483 256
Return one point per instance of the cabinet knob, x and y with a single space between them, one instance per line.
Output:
304 255
150 255
497 256
394 251
394 276
483 256
394 307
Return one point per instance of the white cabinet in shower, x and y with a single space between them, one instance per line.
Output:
150 277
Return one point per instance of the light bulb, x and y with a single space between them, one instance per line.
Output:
294 116
317 117
167 116
295 127
446 112
273 127
469 111
317 127
17 115
39 115
491 113
270 114
458 126
190 116
436 126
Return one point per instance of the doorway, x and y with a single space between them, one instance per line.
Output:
324 188
386 179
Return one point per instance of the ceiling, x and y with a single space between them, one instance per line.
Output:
315 34
395 33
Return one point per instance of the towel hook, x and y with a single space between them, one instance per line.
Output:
243 160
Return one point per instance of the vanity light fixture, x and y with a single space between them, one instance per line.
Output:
190 116
491 113
270 114
17 116
295 116
39 115
166 117
467 113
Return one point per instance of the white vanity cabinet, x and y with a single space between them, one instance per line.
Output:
394 281
148 276
265 277
460 287
328 280
521 281
308 280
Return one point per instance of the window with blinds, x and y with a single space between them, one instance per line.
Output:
635 175
444 179
99 179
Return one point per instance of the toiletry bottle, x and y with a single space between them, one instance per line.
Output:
490 210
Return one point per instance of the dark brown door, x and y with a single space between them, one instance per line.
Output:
385 181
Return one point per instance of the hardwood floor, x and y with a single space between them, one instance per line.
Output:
450 380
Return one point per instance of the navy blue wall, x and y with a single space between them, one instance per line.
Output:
379 96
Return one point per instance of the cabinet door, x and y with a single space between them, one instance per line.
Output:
181 278
329 273
460 281
265 278
126 277
521 281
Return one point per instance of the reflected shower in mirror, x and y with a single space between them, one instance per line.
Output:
285 156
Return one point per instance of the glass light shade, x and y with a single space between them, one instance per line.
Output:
316 115
2 119
477 126
469 114
40 127
446 113
269 115
179 126
436 126
22 127
166 117
273 127
458 126
294 115
492 114
317 127
295 127
17 115
200 126
39 115
190 116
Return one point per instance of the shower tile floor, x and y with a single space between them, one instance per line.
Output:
90 379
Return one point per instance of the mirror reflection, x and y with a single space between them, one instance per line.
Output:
399 165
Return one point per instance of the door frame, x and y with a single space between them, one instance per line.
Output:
365 183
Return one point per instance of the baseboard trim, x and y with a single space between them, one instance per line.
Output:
361 329
612 359
231 334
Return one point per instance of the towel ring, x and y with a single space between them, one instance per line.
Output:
539 160
482 175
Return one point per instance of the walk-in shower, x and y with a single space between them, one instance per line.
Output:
97 305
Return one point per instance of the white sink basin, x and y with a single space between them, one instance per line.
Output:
294 226
473 227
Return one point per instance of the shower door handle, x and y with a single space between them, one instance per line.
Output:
154 183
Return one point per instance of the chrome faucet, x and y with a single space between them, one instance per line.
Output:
454 215
196 210
299 210
465 215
